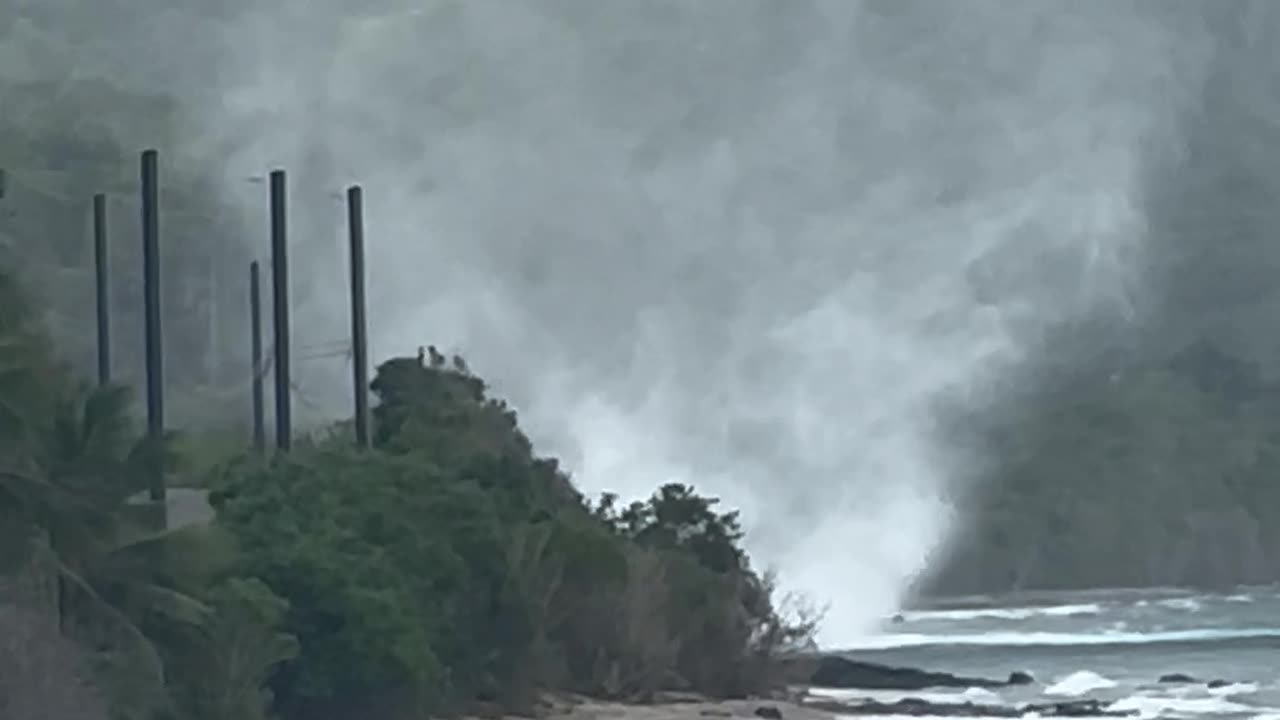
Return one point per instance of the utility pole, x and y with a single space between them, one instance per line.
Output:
359 329
102 287
280 308
153 336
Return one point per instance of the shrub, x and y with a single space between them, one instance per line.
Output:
450 564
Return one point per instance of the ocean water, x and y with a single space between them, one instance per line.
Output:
1112 645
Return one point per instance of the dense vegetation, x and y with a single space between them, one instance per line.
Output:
1147 451
447 565
1124 468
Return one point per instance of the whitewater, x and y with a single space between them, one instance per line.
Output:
1113 645
748 246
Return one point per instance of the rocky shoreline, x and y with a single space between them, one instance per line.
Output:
918 707
842 673
812 709
834 672
839 672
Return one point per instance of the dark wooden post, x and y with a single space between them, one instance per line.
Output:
102 287
280 307
151 299
359 328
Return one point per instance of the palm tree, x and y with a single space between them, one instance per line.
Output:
119 587
23 407
23 359
69 463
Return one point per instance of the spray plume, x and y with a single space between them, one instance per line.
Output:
743 244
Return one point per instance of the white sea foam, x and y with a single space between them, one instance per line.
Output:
1080 683
1187 604
901 717
973 694
980 695
1014 613
1150 706
1234 689
1019 639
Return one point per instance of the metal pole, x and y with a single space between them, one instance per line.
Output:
359 329
151 293
280 307
103 287
255 351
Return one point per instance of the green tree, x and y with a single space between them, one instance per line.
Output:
451 565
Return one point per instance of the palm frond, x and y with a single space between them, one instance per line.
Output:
105 425
89 432
21 402
171 605
134 641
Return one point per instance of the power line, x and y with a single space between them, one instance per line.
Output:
336 349
302 397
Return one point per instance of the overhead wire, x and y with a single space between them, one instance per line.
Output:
312 352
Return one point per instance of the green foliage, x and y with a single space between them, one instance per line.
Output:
70 470
447 565
450 564
1138 471
222 671
26 381
362 559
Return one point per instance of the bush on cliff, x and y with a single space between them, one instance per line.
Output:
450 564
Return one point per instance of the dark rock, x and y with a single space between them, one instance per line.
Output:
1172 678
1075 708
715 712
833 671
1020 678
917 707
1215 684
768 712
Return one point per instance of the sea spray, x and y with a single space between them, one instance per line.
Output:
741 244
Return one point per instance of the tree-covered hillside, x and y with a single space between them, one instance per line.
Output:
1147 450
448 566
1127 471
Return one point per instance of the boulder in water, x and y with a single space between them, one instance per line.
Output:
1176 678
1018 677
834 671
917 707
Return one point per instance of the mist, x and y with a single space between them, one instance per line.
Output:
741 244
735 245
